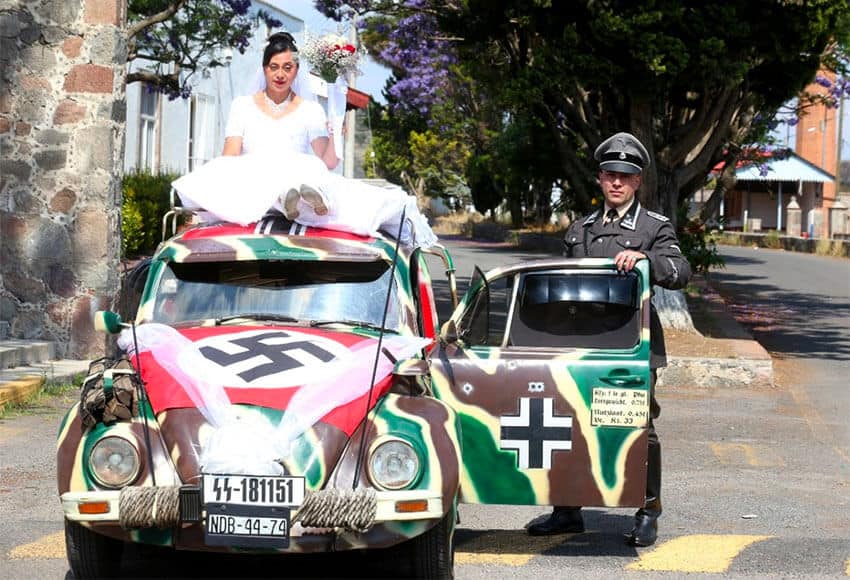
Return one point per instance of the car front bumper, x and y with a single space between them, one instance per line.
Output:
157 508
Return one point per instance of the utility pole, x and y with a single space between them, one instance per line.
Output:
350 119
840 145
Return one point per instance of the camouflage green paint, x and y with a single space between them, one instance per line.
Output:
477 442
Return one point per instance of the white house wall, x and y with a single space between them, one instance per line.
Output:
221 84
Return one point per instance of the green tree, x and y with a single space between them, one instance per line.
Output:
694 80
177 38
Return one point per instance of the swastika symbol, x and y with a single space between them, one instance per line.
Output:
277 359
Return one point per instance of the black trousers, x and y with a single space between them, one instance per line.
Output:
653 459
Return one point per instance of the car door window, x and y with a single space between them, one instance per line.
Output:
486 320
588 310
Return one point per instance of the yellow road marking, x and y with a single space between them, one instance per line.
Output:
755 456
697 553
514 548
847 569
52 546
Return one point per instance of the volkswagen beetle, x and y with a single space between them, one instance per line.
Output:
284 389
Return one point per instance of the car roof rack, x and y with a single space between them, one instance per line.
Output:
172 215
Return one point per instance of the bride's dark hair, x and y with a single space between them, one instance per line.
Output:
277 43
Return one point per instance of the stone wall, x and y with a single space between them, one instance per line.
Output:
62 109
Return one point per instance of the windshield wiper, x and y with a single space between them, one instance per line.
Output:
348 322
256 316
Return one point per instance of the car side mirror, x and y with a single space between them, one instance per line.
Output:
448 332
107 321
412 367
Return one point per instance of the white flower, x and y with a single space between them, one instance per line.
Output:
330 56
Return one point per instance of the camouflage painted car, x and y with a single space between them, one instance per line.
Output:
534 392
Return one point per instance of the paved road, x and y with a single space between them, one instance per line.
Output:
756 480
798 307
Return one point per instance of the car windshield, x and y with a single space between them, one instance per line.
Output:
306 291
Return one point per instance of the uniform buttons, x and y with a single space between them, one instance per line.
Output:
600 240
628 243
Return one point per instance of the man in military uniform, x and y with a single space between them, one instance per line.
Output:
627 232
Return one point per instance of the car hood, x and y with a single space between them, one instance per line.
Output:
259 393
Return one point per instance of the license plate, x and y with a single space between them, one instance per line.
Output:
254 490
249 511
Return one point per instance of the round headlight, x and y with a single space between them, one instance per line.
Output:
394 464
114 462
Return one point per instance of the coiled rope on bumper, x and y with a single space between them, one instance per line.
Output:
339 508
149 507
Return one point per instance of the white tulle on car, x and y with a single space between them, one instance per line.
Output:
239 446
242 189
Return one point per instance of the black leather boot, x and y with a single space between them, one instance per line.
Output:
645 531
562 520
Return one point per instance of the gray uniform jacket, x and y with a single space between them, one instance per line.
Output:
643 231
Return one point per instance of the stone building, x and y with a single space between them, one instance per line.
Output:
62 72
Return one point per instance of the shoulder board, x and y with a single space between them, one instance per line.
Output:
658 216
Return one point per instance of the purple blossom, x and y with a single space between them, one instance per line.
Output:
823 81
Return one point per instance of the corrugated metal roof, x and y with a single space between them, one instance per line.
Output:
791 168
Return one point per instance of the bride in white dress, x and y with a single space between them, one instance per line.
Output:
278 154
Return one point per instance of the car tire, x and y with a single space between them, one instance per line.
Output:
431 555
91 555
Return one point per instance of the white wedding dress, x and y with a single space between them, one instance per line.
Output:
277 156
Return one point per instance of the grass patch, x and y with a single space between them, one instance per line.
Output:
49 390
771 240
456 224
833 248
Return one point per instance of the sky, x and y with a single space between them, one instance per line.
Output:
787 135
374 75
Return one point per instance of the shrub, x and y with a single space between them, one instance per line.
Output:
697 244
835 248
840 249
146 199
771 240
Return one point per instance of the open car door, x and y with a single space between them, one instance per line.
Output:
547 366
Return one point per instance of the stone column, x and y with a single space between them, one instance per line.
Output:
62 71
794 218
838 219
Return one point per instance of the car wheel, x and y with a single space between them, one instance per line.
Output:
431 555
91 555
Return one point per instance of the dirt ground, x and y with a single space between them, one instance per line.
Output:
692 344
714 322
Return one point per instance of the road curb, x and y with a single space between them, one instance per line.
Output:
20 390
716 372
20 384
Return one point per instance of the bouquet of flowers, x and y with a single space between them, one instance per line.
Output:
331 56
